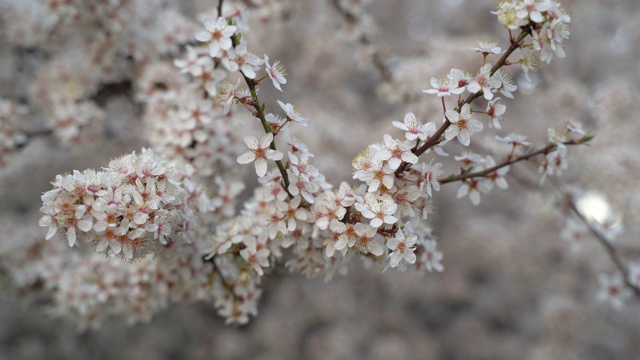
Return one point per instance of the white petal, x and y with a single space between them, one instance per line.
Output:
52 231
251 142
266 140
246 158
261 167
71 235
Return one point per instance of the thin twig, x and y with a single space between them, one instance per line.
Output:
547 149
259 111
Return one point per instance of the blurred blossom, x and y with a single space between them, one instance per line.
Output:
528 86
595 208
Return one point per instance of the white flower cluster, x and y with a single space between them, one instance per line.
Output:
549 29
134 207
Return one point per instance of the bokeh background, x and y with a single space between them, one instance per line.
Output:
511 289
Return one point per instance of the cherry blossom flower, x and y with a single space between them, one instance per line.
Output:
402 250
414 128
228 95
554 163
613 290
218 35
496 111
395 152
276 73
378 208
472 187
575 126
514 139
302 186
240 59
429 174
255 254
293 114
532 9
484 82
496 177
365 239
462 125
506 87
260 152
444 87
487 47
430 257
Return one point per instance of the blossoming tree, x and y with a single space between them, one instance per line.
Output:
163 224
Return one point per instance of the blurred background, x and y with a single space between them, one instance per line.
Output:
512 287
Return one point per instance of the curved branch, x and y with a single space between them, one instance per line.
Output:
547 149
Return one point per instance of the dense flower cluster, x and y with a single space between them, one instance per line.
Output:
135 207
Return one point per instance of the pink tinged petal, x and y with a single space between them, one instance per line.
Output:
261 167
71 236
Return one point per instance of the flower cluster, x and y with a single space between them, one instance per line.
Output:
134 207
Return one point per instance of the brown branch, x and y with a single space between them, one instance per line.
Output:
547 149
